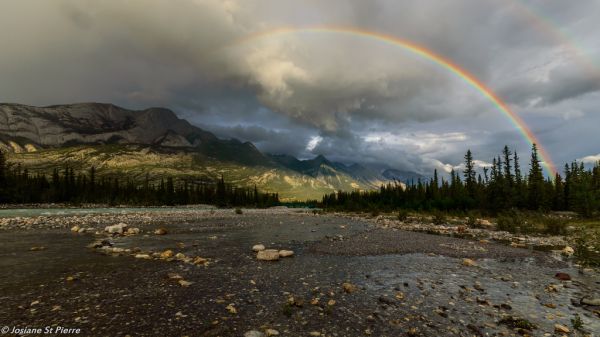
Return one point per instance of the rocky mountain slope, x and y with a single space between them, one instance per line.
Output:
156 142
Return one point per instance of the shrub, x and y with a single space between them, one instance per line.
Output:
512 222
402 215
555 226
439 218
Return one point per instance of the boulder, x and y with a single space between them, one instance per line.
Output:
268 255
258 248
116 229
286 253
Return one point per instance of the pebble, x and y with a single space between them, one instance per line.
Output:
160 231
254 333
272 332
469 263
561 328
563 276
349 287
185 283
286 253
142 256
258 248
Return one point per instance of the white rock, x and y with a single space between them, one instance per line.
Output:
75 228
268 255
254 333
133 231
118 228
568 251
258 248
286 253
143 256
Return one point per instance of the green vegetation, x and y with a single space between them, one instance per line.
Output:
501 190
17 185
577 323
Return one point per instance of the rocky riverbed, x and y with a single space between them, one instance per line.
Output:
193 272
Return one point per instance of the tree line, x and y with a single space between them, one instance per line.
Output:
499 187
19 186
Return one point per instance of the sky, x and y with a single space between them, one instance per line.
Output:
348 97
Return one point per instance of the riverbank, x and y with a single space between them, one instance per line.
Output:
347 277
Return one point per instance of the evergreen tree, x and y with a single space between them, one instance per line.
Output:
535 181
469 174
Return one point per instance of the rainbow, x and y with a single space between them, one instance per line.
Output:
445 63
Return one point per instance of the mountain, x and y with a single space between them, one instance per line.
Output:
156 142
402 176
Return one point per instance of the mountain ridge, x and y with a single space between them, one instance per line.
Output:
116 140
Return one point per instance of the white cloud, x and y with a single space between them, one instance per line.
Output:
313 143
592 159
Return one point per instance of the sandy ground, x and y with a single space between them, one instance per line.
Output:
398 283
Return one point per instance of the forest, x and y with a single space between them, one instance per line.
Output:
494 189
19 186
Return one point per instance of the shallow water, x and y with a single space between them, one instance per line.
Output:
31 212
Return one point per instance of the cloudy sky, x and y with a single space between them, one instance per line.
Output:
349 97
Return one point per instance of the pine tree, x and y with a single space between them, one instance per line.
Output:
2 169
536 181
469 174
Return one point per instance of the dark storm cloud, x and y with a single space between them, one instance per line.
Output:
352 98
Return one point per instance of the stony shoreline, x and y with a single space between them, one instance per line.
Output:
197 273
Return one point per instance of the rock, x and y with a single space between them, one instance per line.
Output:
484 223
568 251
166 254
561 328
231 309
469 263
315 333
286 253
132 231
272 332
180 256
35 249
258 248
478 286
185 283
268 255
254 333
399 295
75 228
100 244
331 303
142 256
71 278
116 229
349 287
160 231
174 276
563 276
200 261
591 301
